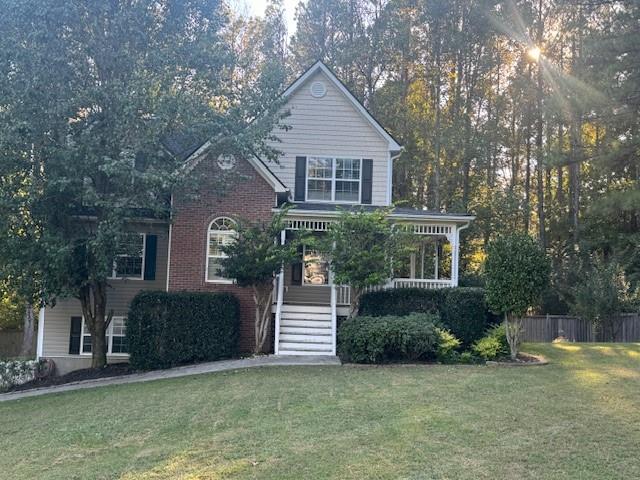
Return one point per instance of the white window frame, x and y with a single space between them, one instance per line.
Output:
114 271
232 233
109 337
333 179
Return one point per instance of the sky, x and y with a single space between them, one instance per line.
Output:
257 7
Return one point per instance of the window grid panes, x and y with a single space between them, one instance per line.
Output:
129 263
333 179
222 232
116 337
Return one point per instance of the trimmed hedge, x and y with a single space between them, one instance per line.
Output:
169 329
394 339
462 310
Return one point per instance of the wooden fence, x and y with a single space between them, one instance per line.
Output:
546 328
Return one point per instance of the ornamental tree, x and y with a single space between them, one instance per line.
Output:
253 260
517 272
362 247
88 93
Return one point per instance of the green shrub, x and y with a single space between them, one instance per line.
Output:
462 310
169 329
391 338
493 345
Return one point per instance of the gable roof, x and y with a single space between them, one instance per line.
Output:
319 66
256 162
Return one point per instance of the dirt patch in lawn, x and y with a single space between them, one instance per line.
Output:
112 370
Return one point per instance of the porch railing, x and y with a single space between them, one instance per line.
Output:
429 284
343 294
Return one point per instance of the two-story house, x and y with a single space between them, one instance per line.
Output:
334 156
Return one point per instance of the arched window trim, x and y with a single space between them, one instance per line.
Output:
224 230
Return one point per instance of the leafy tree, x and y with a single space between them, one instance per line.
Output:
362 247
253 260
517 273
88 93
601 293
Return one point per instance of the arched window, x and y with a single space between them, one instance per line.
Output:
221 232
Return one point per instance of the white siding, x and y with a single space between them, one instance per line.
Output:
329 126
58 318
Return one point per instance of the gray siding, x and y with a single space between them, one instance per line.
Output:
57 318
329 126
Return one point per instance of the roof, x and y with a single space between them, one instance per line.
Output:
320 66
255 161
333 209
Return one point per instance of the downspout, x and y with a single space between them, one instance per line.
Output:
169 241
392 157
458 230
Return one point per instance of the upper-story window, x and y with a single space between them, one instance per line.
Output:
130 262
334 179
222 231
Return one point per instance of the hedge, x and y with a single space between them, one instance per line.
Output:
394 339
169 329
462 310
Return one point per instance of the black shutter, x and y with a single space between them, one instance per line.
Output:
301 178
150 253
296 269
367 180
75 331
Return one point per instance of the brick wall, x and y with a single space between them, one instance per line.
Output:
250 197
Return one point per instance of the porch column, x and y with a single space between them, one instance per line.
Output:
334 309
454 240
279 298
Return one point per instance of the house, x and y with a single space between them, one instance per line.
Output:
335 156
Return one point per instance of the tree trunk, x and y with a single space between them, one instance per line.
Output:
262 295
356 293
540 161
93 300
513 329
27 331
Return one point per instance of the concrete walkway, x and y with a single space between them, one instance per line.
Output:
221 366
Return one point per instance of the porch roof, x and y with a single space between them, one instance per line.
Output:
398 213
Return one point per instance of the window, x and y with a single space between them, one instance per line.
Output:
316 268
221 232
116 337
130 263
333 179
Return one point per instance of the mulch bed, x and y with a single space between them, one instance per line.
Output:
524 359
112 370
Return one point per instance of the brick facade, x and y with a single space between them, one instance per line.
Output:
251 198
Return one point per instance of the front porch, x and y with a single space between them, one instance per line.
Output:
306 300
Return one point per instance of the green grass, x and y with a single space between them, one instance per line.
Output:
576 418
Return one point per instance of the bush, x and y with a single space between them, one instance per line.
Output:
464 311
169 329
391 338
493 345
17 372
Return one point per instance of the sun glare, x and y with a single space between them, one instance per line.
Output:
534 53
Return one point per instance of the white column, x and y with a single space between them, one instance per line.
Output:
279 298
454 240
40 344
334 310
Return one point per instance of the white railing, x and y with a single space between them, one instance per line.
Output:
429 284
343 293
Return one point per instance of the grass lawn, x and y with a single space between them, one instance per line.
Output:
576 418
